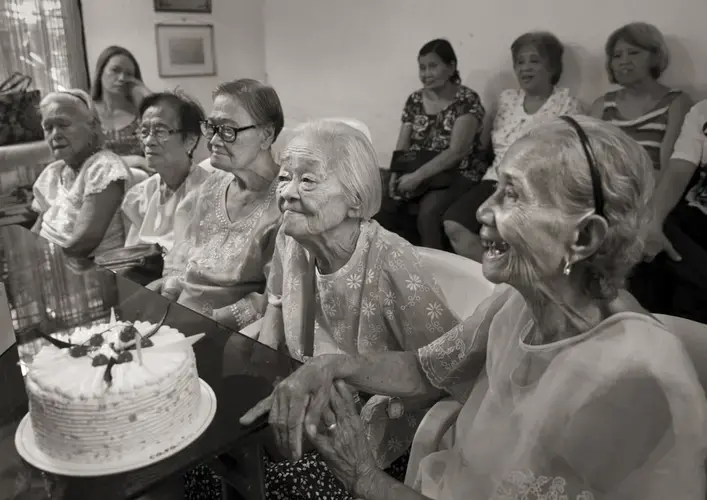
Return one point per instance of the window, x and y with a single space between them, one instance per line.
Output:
43 39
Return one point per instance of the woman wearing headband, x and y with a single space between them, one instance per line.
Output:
78 196
589 396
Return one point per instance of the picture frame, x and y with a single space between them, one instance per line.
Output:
193 6
185 50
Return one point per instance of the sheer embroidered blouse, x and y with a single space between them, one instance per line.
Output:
382 299
60 192
153 210
614 413
222 264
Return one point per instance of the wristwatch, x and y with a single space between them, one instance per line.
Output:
396 408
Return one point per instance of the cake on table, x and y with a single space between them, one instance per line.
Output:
120 389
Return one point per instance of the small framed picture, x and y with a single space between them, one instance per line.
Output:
185 50
195 6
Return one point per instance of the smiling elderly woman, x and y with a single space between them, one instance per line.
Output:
340 283
78 196
589 396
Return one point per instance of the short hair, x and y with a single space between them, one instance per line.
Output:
350 157
103 58
644 36
82 102
190 113
259 99
444 50
559 165
548 46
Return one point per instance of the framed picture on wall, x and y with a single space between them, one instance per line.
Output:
197 6
185 50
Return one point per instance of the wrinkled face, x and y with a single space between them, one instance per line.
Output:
118 75
434 72
526 236
239 154
66 130
162 141
630 64
312 199
532 70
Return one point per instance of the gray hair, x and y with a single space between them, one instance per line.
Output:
644 36
351 158
627 181
84 105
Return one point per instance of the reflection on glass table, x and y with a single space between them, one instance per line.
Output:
50 294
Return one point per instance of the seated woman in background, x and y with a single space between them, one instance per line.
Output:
648 111
537 64
341 283
678 228
589 396
218 265
117 91
443 117
78 196
170 130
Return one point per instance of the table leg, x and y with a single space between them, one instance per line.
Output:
243 472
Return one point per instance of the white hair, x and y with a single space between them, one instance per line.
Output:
83 104
560 166
350 156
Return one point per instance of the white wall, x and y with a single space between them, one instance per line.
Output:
358 58
238 37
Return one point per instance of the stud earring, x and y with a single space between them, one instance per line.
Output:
567 269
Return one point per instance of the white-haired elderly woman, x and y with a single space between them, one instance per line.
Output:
219 261
78 196
340 283
589 395
648 111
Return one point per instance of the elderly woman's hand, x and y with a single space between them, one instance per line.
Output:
657 242
290 400
341 440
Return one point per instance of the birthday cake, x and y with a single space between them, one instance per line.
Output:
113 390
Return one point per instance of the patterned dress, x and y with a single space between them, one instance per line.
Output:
222 264
60 192
124 142
648 129
433 132
383 299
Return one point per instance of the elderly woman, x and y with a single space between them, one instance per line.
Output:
340 283
644 108
170 130
537 64
218 264
589 396
442 121
78 196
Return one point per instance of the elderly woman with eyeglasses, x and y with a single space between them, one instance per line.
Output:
170 130
218 264
589 396
78 196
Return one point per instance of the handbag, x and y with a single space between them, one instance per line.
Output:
146 257
407 162
20 120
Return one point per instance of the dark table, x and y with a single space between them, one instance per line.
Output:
50 292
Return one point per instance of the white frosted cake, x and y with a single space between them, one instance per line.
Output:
103 399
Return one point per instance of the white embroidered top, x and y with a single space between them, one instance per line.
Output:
153 210
60 192
512 121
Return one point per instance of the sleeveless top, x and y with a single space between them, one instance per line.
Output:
648 129
124 142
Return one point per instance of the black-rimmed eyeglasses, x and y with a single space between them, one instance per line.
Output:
225 132
591 159
159 133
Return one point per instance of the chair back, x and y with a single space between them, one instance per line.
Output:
461 280
694 338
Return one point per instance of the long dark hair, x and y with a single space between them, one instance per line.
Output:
444 51
106 55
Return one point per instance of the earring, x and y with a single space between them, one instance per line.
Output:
567 269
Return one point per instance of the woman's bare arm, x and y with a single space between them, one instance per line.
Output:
463 136
676 115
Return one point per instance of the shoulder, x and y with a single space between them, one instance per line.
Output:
466 94
414 97
51 171
509 95
387 242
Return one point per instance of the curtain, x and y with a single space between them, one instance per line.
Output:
43 39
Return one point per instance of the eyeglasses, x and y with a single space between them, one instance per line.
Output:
159 133
225 132
591 159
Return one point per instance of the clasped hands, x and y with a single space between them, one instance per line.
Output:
309 401
404 186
